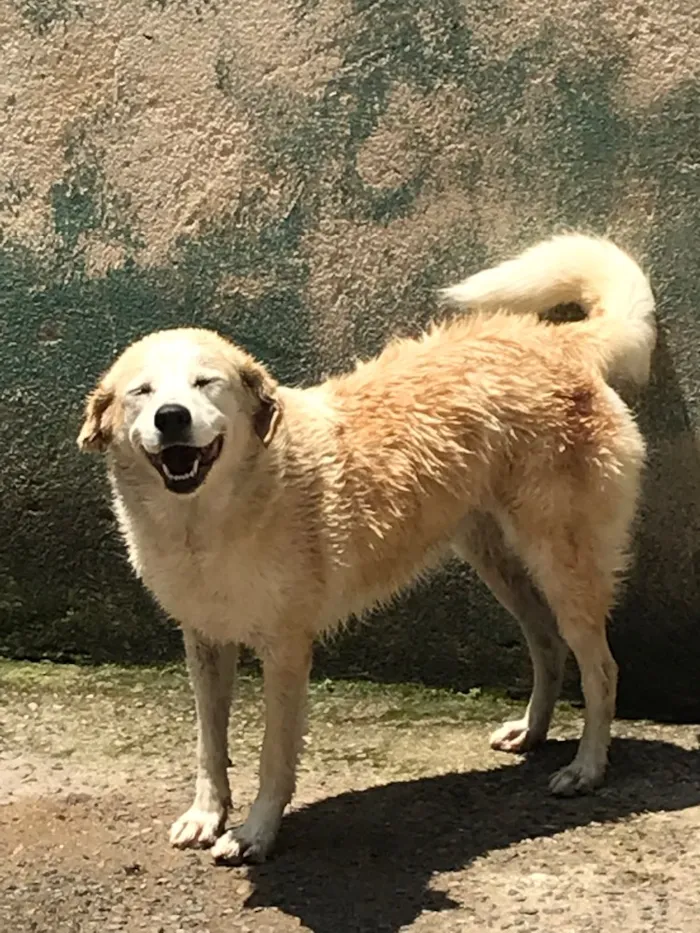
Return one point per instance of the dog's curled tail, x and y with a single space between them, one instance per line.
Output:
573 268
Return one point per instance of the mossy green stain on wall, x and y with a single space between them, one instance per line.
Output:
13 194
299 137
82 202
198 7
43 610
584 142
43 15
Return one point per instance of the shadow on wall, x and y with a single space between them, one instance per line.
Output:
667 561
95 613
365 860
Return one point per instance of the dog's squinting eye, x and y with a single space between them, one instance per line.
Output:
144 389
204 381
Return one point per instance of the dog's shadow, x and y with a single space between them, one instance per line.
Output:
363 860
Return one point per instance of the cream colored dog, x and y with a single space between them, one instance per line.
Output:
265 515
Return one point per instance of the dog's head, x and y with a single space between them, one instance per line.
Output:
179 402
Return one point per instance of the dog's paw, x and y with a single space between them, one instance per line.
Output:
197 828
241 845
514 737
576 778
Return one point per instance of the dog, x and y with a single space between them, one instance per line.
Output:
265 515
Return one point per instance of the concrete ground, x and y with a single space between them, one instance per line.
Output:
404 819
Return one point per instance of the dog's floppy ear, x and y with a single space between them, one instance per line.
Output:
98 425
267 411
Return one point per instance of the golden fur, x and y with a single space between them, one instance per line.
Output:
495 436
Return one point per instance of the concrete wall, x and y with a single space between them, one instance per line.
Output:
302 174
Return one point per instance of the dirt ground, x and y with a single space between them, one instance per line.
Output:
404 819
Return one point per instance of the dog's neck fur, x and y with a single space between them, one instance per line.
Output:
164 516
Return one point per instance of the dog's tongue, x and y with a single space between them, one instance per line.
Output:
179 459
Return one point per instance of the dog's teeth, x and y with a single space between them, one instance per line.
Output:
180 476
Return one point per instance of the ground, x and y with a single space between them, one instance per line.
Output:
404 819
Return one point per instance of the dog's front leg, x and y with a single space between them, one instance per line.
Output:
212 670
286 671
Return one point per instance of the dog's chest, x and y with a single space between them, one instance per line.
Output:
211 585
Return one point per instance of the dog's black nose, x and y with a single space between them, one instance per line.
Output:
172 421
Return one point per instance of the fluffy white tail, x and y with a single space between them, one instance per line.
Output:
573 268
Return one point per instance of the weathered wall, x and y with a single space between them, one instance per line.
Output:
302 174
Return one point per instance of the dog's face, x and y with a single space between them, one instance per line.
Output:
177 404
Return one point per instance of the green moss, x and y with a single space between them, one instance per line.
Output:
332 701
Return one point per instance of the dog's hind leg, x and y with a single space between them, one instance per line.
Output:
481 544
212 670
575 561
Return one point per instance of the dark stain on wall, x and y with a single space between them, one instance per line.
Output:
43 15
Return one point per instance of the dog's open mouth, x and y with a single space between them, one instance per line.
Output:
184 467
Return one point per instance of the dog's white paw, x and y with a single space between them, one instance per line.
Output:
580 777
515 736
197 828
243 844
